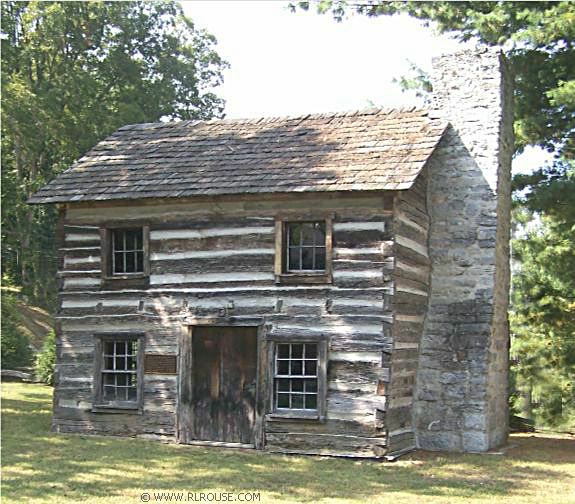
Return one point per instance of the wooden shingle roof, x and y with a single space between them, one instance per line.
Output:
355 151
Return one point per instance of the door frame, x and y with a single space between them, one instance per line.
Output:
184 409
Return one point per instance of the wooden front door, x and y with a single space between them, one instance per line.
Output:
223 385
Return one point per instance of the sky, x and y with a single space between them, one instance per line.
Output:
284 63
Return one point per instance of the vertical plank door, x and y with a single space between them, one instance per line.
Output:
224 362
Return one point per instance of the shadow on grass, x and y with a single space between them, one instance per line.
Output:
38 463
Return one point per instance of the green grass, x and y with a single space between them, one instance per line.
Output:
39 466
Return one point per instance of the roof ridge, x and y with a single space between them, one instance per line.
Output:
273 118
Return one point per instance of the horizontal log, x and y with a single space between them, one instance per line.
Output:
165 210
338 427
355 264
358 239
212 265
202 223
81 283
358 253
213 243
356 372
416 234
325 444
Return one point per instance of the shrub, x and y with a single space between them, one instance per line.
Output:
15 346
46 360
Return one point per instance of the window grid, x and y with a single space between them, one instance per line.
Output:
306 248
295 376
127 251
119 370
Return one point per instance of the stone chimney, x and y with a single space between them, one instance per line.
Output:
462 383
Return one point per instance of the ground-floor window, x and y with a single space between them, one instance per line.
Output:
299 377
119 368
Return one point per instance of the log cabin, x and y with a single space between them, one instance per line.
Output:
325 284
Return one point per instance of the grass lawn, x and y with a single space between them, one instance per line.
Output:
38 466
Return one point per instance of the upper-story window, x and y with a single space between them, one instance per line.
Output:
125 256
127 251
306 247
303 250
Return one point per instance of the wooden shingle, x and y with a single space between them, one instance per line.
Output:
365 150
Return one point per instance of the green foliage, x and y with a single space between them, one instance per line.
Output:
416 80
46 360
537 38
543 294
15 346
72 73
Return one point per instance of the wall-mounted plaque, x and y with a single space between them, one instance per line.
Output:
160 364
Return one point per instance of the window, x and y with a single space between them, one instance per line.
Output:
303 251
119 368
295 379
125 261
305 246
299 377
127 251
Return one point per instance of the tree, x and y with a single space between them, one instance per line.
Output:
538 39
543 293
72 73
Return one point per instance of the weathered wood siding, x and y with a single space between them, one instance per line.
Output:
411 281
216 259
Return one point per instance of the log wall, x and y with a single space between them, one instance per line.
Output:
215 259
412 283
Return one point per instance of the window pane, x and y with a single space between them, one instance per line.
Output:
109 379
131 347
132 394
121 347
130 262
293 259
319 258
119 262
131 363
319 233
109 347
307 233
108 362
121 379
109 393
296 385
140 262
307 258
283 400
310 401
283 351
297 351
294 234
310 367
283 385
296 367
130 240
118 240
120 363
283 367
297 401
310 350
310 385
